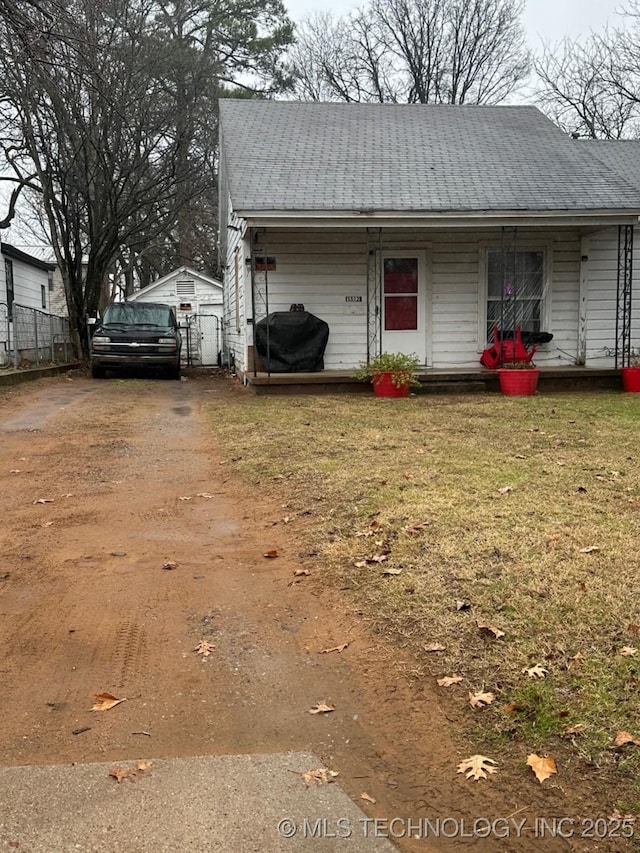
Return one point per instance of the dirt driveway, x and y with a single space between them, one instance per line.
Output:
101 485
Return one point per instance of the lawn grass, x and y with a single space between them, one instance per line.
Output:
522 514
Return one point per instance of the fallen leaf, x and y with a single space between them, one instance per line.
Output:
577 660
185 498
449 680
391 572
319 776
67 495
624 738
105 701
270 555
204 648
512 708
589 550
339 648
169 565
477 767
377 558
537 671
361 565
434 647
414 529
505 490
628 651
491 629
542 767
15 471
322 708
301 573
144 765
573 731
119 773
365 796
204 495
463 604
480 700
48 524
44 501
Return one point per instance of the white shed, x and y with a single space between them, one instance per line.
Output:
197 301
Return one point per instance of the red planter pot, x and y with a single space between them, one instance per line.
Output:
383 386
518 383
631 379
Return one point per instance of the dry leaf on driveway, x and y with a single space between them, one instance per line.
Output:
169 565
628 651
537 671
477 767
339 648
270 555
365 796
434 647
591 549
490 629
624 738
505 490
44 501
319 776
105 701
450 680
543 767
390 572
301 573
120 773
322 708
204 648
204 495
480 700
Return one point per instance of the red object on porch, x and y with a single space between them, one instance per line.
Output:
518 383
384 386
503 352
631 379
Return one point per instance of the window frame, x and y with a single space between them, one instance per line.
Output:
529 245
43 296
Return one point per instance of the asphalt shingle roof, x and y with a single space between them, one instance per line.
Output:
292 156
619 155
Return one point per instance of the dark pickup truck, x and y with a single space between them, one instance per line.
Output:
134 335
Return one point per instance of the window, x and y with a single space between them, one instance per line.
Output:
400 294
43 295
8 272
515 290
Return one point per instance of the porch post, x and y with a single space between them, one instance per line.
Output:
623 302
581 355
374 279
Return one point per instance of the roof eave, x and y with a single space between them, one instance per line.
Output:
436 219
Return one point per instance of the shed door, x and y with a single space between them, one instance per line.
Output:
209 317
403 303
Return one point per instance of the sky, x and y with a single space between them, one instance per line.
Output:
551 20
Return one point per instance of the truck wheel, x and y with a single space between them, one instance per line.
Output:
98 372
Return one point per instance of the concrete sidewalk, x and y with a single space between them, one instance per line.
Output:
220 804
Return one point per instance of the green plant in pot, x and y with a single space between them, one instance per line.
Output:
391 373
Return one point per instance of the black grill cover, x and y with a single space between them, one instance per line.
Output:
297 341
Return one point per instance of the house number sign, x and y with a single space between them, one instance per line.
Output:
353 299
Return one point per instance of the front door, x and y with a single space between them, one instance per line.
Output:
403 303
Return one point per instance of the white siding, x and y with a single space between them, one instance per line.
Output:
27 283
237 294
602 296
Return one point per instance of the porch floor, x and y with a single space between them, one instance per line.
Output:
434 381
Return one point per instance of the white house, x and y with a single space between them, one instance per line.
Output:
420 228
197 300
28 328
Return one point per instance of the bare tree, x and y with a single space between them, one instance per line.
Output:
425 51
108 111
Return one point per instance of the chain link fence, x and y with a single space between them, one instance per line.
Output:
30 337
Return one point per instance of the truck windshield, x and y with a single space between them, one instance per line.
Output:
137 314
